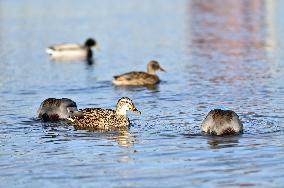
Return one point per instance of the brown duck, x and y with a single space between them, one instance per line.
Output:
140 78
53 109
104 119
222 122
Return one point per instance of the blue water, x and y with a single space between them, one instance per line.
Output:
217 54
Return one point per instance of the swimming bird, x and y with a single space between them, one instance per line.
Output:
105 119
140 78
53 109
69 51
222 122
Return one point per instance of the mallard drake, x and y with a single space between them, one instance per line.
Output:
222 122
140 78
105 119
53 109
72 51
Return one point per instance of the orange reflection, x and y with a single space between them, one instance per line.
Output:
234 33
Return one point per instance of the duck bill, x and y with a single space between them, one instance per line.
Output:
136 111
161 69
97 48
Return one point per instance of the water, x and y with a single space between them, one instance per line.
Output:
215 57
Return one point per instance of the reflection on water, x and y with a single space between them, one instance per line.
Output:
153 88
62 131
218 54
242 27
89 61
124 139
240 39
223 142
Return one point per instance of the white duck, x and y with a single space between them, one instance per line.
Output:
69 51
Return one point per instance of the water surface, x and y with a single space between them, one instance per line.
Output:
218 54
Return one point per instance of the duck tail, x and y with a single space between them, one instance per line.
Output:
49 50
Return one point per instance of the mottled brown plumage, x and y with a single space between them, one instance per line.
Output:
137 78
104 119
222 116
222 122
98 118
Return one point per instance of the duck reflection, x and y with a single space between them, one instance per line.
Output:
62 131
121 136
125 139
89 61
216 142
153 88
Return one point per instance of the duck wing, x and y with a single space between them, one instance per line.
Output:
96 118
92 113
131 76
66 47
136 79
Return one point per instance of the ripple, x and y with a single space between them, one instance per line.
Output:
214 59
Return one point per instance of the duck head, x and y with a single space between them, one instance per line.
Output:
67 108
124 104
153 66
90 43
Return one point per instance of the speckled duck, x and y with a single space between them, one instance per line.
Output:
140 78
105 119
222 122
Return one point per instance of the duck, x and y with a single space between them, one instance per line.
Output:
52 109
222 122
71 51
136 78
105 119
